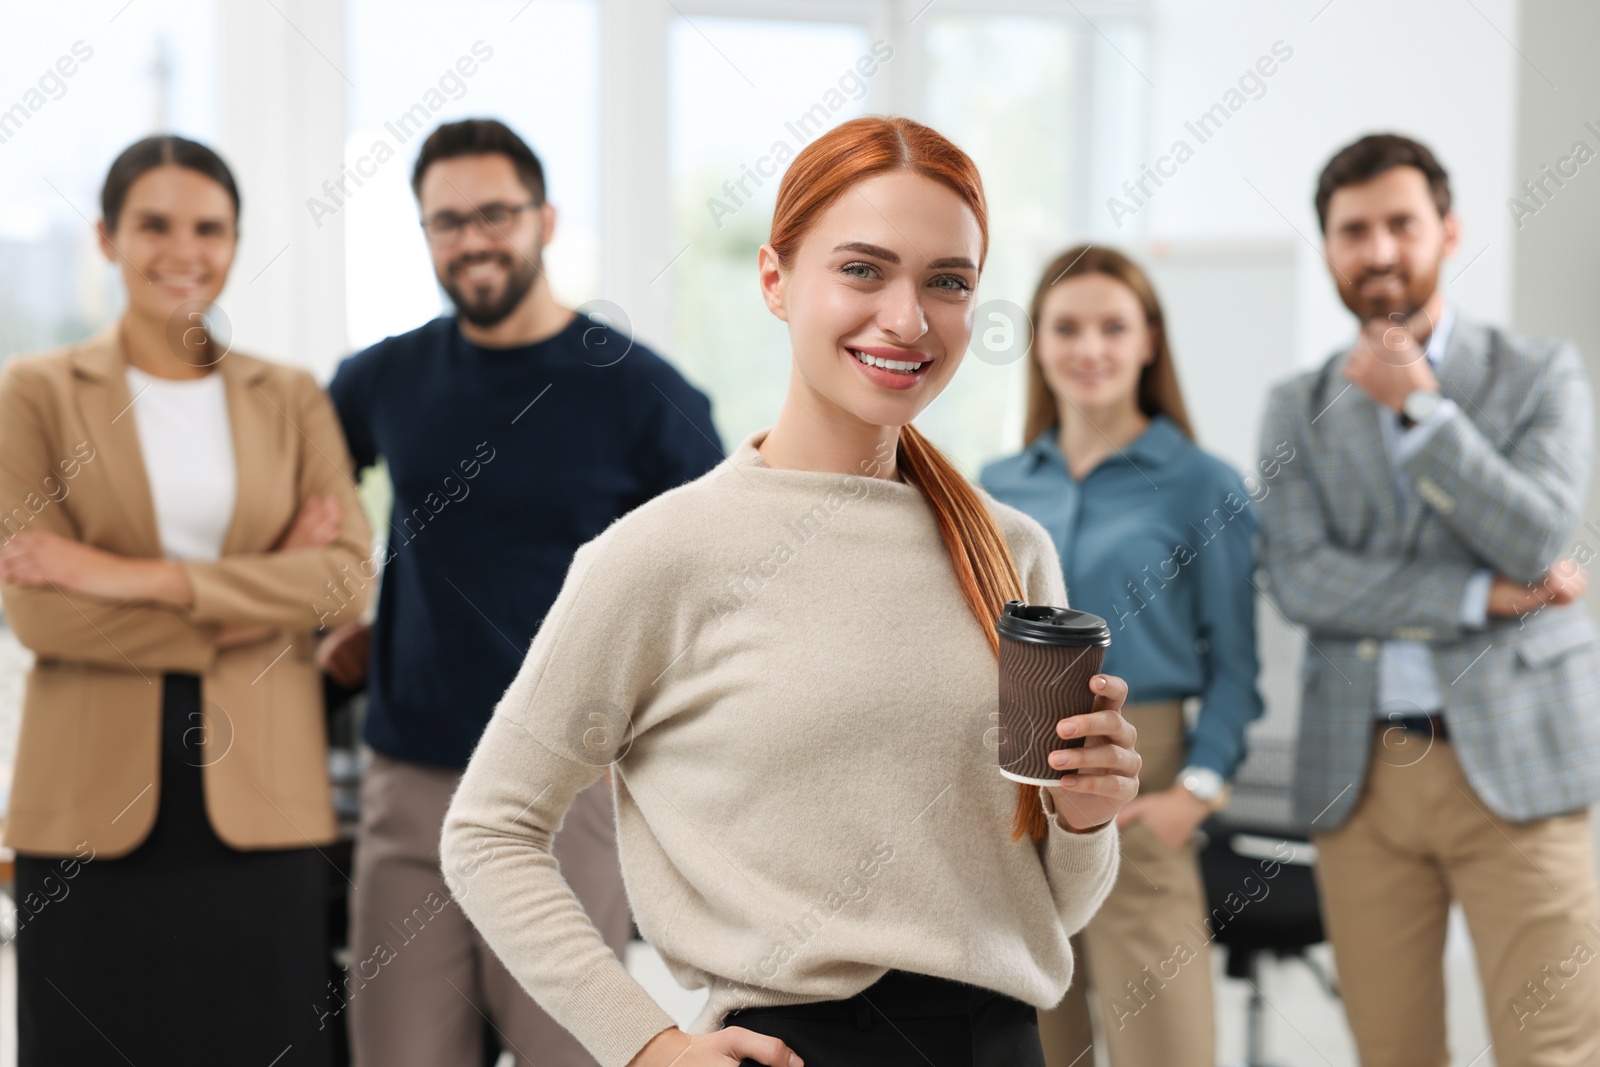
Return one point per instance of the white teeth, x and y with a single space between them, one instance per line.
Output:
899 366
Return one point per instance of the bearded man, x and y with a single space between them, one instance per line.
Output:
1449 743
514 431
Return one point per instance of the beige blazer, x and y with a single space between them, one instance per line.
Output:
88 757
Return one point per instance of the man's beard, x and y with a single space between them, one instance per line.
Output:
482 308
1415 291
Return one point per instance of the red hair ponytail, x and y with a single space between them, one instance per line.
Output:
983 565
819 175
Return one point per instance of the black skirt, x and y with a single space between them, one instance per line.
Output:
184 951
904 1018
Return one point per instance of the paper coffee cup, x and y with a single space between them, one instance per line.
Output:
1047 656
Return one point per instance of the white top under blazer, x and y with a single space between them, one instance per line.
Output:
187 441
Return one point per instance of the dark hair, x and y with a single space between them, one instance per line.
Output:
161 150
1159 393
480 137
1373 155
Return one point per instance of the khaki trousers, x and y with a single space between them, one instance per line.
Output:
1420 838
423 980
1146 951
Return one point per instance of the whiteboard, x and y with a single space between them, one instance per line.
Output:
1230 310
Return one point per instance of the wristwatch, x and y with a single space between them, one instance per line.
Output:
1205 784
1419 404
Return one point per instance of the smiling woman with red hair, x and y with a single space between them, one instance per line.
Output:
790 667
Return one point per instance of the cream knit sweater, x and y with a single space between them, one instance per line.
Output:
801 710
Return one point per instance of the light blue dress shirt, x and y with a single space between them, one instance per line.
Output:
1407 684
1158 540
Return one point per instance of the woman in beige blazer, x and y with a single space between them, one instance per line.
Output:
178 520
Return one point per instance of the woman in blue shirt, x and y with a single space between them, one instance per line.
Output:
1155 535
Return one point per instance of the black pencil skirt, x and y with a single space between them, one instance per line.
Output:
905 1019
184 951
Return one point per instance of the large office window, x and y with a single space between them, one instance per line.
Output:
745 85
747 90
83 81
740 86
744 95
1005 88
535 66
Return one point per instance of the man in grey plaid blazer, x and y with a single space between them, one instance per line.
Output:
1426 536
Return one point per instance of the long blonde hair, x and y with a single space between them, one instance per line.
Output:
822 172
1159 393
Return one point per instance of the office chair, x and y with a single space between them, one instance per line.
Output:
1256 867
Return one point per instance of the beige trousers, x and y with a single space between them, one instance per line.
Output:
423 980
1419 838
1146 951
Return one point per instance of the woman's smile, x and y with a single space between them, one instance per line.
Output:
893 368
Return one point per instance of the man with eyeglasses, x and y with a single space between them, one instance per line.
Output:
514 431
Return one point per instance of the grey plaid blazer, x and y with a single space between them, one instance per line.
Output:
1501 485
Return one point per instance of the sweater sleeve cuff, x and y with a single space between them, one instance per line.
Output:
1070 853
1080 868
615 1017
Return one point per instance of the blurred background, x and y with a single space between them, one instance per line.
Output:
662 125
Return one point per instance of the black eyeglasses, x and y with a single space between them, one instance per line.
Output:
491 220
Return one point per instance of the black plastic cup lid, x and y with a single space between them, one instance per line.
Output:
1045 625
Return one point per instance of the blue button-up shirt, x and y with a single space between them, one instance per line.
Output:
1157 539
1406 681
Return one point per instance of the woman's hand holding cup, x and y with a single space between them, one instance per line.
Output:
1107 764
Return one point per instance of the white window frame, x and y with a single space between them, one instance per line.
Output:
276 122
281 125
634 208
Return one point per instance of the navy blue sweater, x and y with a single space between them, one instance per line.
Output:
503 462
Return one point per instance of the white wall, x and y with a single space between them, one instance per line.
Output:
1434 69
1557 258
282 94
1208 290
